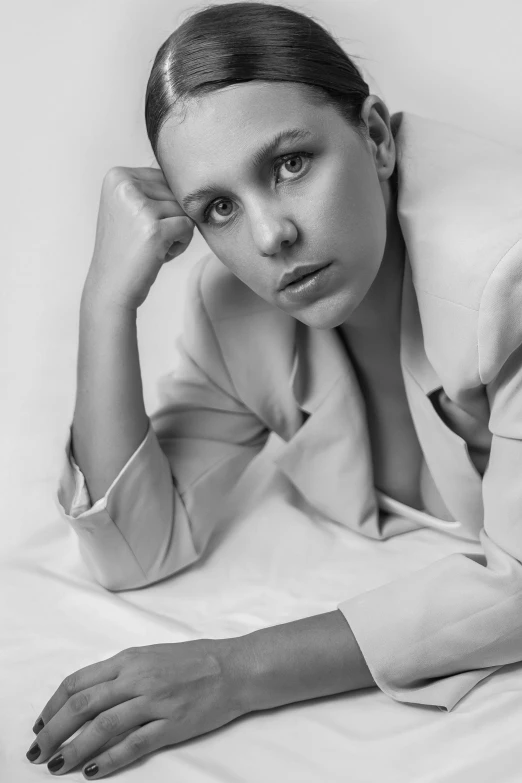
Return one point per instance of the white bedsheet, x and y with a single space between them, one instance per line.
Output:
56 619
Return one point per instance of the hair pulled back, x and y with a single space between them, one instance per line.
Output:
222 45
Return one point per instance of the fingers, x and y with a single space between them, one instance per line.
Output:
151 173
176 233
158 190
79 709
152 184
156 187
170 209
138 743
163 201
98 738
94 674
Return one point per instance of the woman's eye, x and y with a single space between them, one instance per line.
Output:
291 159
217 204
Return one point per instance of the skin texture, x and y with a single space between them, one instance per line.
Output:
334 206
138 701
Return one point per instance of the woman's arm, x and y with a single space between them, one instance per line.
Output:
109 420
303 659
161 509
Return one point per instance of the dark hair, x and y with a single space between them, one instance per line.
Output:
227 44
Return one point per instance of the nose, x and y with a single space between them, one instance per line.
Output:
271 232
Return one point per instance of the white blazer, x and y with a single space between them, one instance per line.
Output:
247 368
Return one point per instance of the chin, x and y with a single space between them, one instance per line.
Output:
326 319
330 313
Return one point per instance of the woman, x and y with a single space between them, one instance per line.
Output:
394 374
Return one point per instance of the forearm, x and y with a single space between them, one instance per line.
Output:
304 659
109 420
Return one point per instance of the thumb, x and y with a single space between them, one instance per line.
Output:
176 234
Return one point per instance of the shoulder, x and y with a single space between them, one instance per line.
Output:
459 206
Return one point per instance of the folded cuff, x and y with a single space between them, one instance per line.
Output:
394 672
73 483
139 532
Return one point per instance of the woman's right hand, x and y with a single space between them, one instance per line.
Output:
140 227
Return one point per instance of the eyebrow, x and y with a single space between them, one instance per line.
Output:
259 156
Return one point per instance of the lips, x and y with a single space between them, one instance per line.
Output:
299 272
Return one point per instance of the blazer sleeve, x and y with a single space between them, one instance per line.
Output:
161 510
431 636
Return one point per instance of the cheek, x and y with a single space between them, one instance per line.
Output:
360 217
365 259
234 251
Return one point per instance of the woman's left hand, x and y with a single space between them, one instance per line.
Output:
160 695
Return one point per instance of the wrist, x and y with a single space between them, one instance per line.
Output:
99 298
238 666
99 305
296 661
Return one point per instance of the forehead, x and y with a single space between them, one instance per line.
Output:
238 107
219 130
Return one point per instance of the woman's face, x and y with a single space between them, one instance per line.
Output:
318 199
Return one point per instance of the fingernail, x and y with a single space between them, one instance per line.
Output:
91 770
55 764
38 726
33 752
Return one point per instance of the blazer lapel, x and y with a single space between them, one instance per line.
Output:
329 458
446 454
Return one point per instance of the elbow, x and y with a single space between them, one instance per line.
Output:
112 572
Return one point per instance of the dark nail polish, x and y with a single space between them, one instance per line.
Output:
38 726
33 752
55 764
91 770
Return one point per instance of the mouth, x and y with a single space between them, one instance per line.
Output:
300 274
310 286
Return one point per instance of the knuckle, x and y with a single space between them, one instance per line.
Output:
123 187
112 761
107 723
114 174
79 703
150 228
70 684
144 212
72 755
137 744
149 224
130 653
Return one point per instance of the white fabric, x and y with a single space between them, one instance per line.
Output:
81 502
363 736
